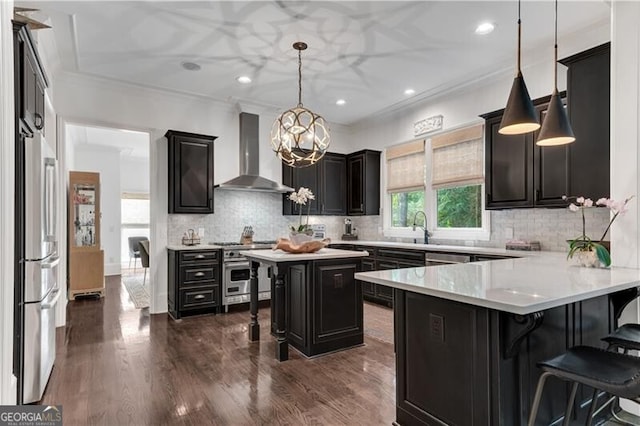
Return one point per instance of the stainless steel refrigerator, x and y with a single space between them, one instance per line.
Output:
40 287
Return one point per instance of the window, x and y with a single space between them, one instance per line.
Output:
460 207
404 206
405 185
457 184
135 219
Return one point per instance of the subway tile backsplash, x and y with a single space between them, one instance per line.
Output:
236 209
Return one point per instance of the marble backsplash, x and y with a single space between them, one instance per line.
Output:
263 211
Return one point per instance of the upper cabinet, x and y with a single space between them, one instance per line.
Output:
363 183
342 184
518 173
588 100
190 172
326 179
30 82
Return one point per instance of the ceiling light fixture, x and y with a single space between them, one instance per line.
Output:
191 66
341 102
519 115
485 28
244 79
556 129
409 92
299 136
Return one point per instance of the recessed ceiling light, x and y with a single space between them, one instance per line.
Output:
244 79
409 92
191 66
485 28
341 102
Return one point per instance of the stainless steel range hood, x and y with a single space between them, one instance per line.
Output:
249 180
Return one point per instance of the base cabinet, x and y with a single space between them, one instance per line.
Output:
324 308
195 278
451 355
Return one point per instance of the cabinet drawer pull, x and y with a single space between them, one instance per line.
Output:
199 274
200 256
199 297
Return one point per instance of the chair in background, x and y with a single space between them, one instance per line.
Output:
134 250
144 257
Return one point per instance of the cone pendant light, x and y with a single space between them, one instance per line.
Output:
556 129
519 115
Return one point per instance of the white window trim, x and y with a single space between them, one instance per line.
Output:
430 199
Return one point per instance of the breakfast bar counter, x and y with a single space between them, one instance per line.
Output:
316 302
468 336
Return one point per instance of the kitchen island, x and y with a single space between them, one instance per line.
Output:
468 336
316 302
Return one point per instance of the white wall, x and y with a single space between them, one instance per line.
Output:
8 383
625 139
134 175
105 161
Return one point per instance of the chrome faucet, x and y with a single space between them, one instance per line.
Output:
424 228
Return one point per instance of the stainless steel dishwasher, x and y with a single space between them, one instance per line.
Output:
434 259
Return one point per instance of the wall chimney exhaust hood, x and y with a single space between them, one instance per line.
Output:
249 180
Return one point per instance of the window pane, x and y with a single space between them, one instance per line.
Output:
134 211
460 207
404 206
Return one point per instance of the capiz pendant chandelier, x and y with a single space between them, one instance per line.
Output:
299 136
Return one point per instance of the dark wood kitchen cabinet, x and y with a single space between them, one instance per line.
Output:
190 172
518 173
363 183
333 181
588 102
195 282
326 179
324 309
30 82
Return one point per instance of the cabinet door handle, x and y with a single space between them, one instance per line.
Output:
361 207
200 256
199 297
199 274
38 121
537 195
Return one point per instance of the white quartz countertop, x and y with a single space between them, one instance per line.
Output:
196 247
520 286
282 256
442 248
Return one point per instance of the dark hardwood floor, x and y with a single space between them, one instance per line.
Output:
117 365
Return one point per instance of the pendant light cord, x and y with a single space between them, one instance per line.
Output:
555 52
519 37
299 78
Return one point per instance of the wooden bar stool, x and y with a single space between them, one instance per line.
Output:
611 372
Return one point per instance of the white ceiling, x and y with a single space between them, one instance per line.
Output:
130 144
365 52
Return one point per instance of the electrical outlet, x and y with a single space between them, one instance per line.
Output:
436 325
201 232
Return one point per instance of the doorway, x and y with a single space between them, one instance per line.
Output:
121 158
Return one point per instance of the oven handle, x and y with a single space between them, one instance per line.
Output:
237 265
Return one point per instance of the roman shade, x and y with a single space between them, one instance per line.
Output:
405 166
457 158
